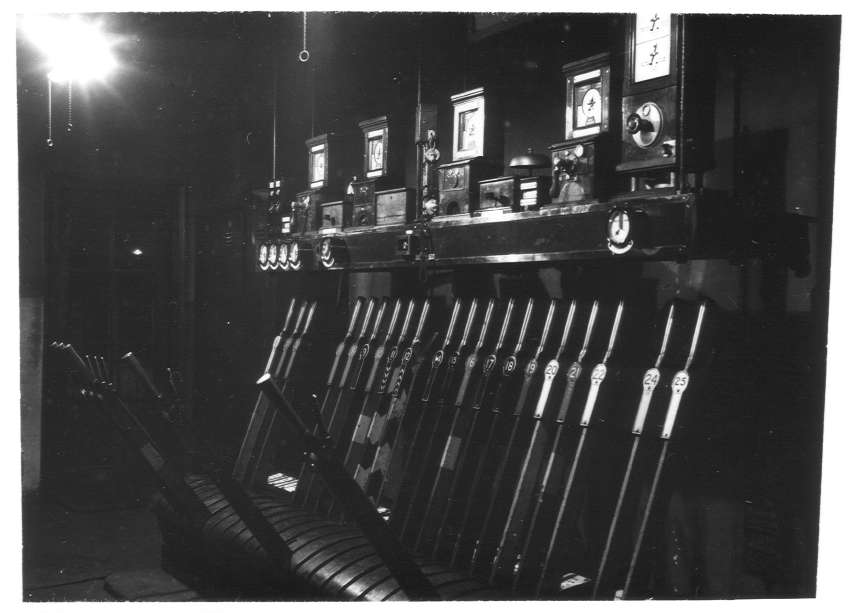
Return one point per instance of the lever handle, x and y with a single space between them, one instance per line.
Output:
310 312
506 322
547 326
470 317
270 388
452 323
423 316
358 305
364 327
379 318
142 373
405 326
523 330
288 319
485 325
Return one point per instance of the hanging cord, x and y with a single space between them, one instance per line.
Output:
311 78
69 126
49 113
274 121
304 54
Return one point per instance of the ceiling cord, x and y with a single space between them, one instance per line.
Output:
304 54
49 113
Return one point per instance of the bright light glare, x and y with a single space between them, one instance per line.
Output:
76 50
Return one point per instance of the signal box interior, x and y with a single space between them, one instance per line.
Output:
423 306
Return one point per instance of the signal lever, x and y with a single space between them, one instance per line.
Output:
408 574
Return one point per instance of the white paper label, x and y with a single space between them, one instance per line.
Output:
652 46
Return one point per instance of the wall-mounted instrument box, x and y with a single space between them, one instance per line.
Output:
318 166
499 194
362 196
578 170
668 94
534 192
581 165
459 183
477 142
383 166
589 110
330 161
476 129
383 149
395 206
334 214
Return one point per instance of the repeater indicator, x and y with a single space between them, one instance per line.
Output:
590 109
317 166
619 232
283 256
376 158
273 256
294 256
326 252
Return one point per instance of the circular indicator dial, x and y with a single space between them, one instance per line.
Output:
590 111
263 255
283 255
273 255
318 167
326 253
620 231
376 154
294 256
645 124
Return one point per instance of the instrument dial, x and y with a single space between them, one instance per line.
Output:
376 154
294 256
317 166
468 130
619 231
589 110
283 256
263 256
326 254
645 124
